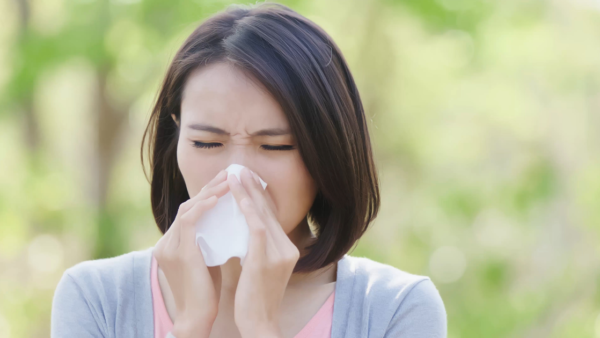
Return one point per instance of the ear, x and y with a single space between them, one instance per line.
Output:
175 119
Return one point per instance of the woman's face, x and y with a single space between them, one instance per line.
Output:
226 118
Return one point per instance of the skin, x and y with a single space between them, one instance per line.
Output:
222 96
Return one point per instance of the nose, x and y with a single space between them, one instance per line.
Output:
242 157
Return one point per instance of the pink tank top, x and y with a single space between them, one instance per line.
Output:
319 325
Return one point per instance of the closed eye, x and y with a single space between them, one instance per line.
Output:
268 147
206 145
215 145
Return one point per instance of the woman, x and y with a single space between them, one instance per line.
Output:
264 87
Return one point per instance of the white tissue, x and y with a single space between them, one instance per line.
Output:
222 231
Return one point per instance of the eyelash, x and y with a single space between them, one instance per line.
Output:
215 145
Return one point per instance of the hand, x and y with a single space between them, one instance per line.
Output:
195 287
268 265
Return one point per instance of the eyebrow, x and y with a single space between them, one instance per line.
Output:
219 131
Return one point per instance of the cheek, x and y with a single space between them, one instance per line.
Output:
293 195
194 174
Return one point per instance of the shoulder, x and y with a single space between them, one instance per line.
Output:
96 297
388 277
104 280
410 303
383 279
107 271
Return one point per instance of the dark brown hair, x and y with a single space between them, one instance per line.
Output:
304 70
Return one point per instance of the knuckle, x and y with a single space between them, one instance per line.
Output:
185 219
188 218
281 261
246 203
294 254
262 209
205 201
200 208
204 191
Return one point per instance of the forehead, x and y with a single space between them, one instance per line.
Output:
223 92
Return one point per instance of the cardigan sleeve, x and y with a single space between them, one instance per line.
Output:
421 314
73 314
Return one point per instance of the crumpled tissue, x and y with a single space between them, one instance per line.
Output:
222 231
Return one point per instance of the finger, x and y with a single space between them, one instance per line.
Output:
255 190
217 180
208 190
265 193
257 249
217 186
260 241
257 194
272 208
220 177
187 240
247 206
255 176
288 246
218 190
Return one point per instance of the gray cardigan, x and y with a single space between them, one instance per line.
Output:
111 298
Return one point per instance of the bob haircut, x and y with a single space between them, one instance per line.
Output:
305 72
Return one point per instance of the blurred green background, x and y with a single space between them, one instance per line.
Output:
484 116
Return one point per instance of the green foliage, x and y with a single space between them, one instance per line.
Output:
484 118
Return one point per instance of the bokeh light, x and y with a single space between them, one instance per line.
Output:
484 118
